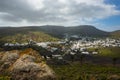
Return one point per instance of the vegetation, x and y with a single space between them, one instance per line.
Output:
24 37
5 78
115 34
76 71
113 52
86 71
90 71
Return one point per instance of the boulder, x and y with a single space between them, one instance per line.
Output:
26 65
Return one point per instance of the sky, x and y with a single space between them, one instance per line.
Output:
103 14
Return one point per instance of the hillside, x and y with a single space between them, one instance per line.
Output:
115 34
112 52
87 30
14 33
76 71
82 30
27 35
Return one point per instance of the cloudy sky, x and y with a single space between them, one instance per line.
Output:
104 14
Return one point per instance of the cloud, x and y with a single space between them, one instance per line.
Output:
58 12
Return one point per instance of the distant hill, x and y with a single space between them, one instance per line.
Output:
115 34
39 33
21 36
83 30
87 30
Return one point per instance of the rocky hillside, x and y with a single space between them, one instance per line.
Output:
24 65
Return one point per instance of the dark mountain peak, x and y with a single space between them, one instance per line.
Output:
85 26
53 26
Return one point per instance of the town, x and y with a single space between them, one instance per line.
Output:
70 49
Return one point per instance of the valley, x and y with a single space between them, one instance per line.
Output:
72 55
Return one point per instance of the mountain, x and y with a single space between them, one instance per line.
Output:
83 30
23 34
48 32
87 30
24 37
115 34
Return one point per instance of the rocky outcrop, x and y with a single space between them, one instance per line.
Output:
7 59
25 65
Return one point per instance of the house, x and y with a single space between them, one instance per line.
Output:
72 53
57 56
53 49
42 44
94 52
85 52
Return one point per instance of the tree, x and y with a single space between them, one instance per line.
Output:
2 43
72 57
114 60
82 56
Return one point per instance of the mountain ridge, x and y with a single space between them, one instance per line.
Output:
56 31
